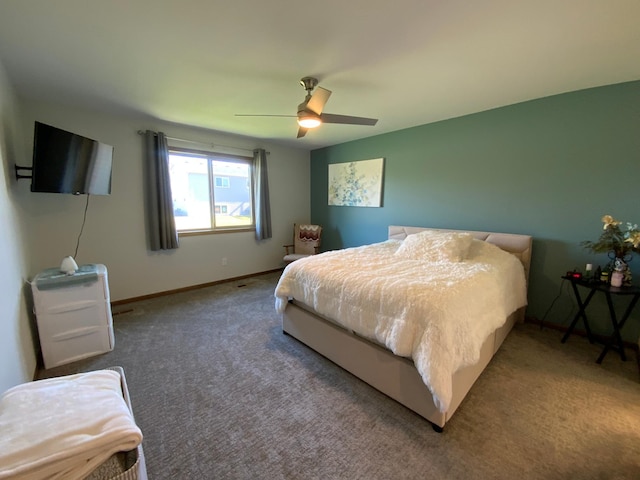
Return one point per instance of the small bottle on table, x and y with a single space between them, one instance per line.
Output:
597 277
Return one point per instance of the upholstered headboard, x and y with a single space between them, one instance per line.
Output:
518 245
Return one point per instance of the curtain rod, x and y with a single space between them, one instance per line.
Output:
142 132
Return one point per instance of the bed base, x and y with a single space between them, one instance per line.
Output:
395 376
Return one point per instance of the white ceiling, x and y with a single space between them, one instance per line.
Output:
406 62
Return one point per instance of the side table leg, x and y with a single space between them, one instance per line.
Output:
581 314
617 327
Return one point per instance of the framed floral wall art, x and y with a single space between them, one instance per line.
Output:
356 184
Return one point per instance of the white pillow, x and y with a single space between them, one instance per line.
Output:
435 246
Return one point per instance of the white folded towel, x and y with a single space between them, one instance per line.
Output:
65 427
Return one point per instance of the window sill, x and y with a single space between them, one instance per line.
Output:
193 233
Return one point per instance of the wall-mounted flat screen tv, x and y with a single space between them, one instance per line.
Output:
64 162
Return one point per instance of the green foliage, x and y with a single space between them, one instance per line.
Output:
621 242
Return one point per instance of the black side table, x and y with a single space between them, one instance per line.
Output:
609 291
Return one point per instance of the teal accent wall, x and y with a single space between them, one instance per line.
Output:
550 168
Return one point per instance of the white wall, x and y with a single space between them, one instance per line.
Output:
17 354
115 233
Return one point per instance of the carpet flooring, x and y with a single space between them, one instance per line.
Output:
221 393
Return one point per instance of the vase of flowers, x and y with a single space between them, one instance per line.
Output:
619 243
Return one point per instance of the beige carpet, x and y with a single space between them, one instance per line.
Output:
220 392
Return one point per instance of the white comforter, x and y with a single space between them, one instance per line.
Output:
436 313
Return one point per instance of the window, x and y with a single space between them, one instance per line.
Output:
222 182
210 191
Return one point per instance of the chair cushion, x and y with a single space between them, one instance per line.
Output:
294 256
307 239
309 233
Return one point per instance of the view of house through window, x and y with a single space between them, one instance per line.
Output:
210 191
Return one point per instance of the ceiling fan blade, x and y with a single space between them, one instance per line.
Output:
318 99
262 115
347 119
302 132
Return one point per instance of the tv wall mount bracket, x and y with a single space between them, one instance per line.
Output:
19 175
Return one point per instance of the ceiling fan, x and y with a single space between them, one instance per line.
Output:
310 110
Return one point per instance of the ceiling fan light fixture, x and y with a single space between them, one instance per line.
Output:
309 121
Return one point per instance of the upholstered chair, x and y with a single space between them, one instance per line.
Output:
306 242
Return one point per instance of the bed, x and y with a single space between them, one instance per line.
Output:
424 355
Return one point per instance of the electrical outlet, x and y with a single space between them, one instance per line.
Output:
224 260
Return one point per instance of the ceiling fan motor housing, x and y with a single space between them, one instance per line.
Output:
303 110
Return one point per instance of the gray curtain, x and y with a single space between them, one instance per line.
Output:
161 225
261 195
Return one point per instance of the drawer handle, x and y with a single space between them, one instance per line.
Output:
73 307
78 332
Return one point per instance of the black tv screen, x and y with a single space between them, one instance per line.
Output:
64 162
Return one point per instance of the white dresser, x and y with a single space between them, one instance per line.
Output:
73 314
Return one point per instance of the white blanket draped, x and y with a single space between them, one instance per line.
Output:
436 313
63 428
